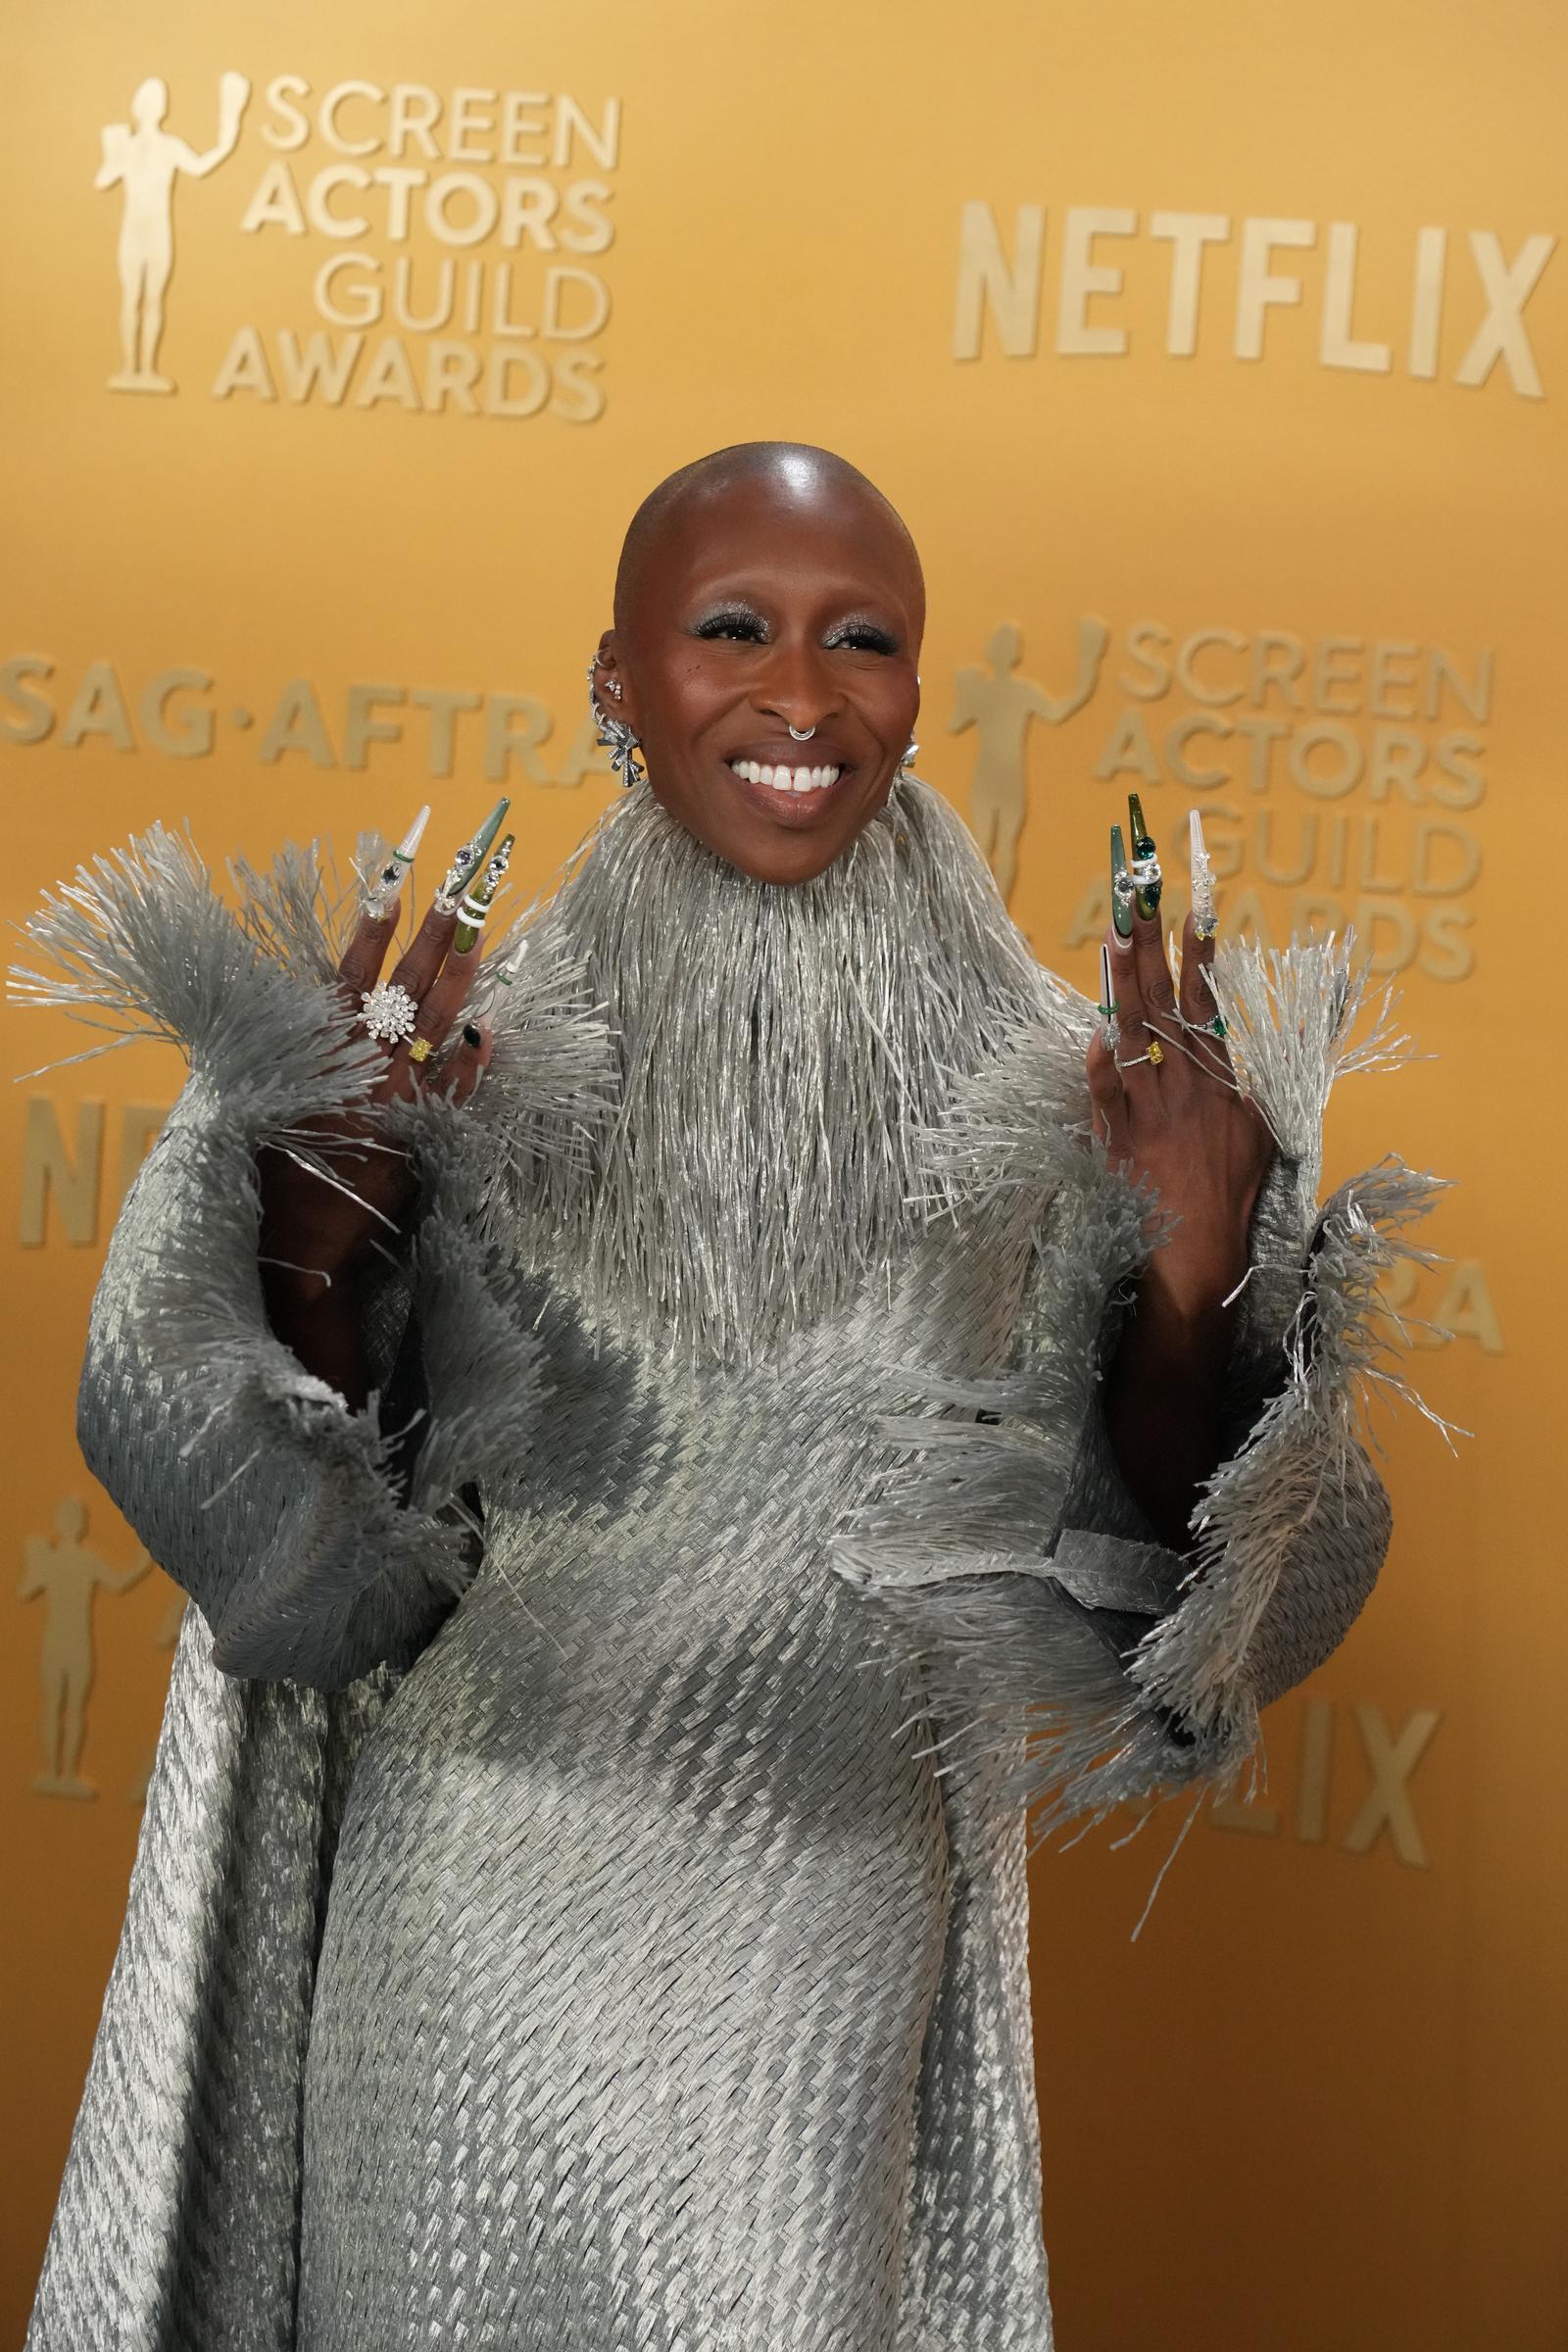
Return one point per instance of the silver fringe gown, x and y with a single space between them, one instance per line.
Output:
581 1902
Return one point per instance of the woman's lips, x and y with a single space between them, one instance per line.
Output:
796 794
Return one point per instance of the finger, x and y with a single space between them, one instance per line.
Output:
417 966
1124 976
415 972
461 904
439 1007
1131 1055
362 958
1200 1008
468 1063
1197 954
1156 987
359 970
1107 1100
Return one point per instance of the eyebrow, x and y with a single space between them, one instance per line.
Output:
872 619
752 594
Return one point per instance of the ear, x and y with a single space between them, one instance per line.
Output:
608 666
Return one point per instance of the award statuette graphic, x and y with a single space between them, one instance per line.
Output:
145 159
1000 706
64 1573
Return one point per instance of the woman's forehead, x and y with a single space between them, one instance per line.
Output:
756 526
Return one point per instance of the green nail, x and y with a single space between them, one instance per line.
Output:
1145 861
476 902
468 859
1121 887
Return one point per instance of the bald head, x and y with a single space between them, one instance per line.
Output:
768 595
795 472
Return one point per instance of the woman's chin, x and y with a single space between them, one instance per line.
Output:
774 835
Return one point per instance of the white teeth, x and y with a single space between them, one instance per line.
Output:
785 779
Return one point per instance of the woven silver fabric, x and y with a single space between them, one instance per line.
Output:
581 1902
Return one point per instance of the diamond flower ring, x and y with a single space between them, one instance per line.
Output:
389 1012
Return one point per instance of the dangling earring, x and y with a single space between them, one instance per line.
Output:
903 768
615 734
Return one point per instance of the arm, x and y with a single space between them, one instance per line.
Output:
197 166
1093 639
314 1543
313 1551
1039 1598
232 97
1289 1530
116 139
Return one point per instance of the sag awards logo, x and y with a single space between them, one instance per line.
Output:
1340 779
448 244
64 1575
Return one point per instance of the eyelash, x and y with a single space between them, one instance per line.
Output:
747 628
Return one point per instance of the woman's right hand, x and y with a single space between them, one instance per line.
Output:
315 1237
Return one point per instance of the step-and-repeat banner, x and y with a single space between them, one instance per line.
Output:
1218 359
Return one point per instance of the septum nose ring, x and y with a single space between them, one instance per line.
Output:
802 734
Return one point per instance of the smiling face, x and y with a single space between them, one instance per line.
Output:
768 592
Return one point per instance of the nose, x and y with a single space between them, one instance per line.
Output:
798 688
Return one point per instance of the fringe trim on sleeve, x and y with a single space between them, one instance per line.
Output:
955 1551
1299 1018
143 946
1301 1488
373 1573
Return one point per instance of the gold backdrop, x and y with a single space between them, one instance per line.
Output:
1217 358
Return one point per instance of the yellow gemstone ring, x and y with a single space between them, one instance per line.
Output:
421 1050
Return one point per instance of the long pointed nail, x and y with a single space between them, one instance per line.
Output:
1146 864
389 881
1121 887
1107 997
476 904
1205 924
468 859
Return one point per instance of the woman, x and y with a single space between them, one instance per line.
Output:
720 1445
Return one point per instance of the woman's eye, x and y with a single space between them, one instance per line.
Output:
743 627
864 639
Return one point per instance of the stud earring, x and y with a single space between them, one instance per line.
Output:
615 734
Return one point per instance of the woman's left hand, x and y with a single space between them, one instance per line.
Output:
1166 1108
1177 1119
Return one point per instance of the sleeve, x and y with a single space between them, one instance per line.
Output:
1046 1619
316 1542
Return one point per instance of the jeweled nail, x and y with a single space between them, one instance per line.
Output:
389 881
468 859
1121 887
1147 879
476 901
1203 920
